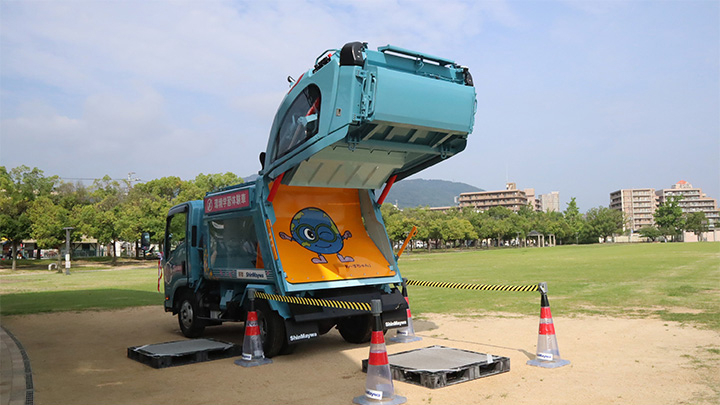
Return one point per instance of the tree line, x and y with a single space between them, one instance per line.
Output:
500 226
39 207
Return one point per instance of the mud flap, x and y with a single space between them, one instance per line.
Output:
395 319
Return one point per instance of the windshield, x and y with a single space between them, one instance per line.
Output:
300 121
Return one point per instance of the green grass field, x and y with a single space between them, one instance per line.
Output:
675 281
48 291
679 281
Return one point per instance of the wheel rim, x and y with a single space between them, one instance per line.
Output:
186 314
262 325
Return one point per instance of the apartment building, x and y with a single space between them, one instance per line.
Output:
693 200
637 205
510 198
549 202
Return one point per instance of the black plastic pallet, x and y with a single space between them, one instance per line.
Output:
440 366
178 353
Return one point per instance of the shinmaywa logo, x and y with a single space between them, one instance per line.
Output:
395 323
545 356
259 275
303 336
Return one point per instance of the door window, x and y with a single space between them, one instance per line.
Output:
176 242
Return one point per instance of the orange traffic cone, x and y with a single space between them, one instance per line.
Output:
548 354
406 334
379 388
252 353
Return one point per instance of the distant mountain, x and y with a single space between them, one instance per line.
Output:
421 192
250 178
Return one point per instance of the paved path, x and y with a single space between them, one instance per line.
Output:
16 386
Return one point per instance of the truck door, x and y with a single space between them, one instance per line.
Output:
176 251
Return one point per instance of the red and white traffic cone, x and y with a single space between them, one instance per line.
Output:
252 353
407 333
548 354
379 388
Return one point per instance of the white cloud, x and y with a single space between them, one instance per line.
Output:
184 87
112 134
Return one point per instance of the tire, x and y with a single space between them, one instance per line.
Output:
188 312
272 329
356 329
287 348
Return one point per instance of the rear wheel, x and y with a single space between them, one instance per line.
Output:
188 312
356 329
272 329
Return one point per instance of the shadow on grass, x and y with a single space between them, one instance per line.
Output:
76 300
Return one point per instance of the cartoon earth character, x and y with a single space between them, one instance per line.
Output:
313 229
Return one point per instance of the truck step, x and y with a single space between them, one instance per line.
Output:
178 353
440 366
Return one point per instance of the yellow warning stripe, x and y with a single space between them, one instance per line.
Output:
357 306
467 286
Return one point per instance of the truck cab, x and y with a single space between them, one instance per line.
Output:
310 225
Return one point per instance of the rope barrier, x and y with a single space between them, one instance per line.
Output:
357 306
468 286
365 306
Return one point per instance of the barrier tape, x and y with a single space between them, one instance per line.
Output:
365 306
357 306
467 286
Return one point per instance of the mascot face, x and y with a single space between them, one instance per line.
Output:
314 230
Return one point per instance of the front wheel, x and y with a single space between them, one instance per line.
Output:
272 329
188 312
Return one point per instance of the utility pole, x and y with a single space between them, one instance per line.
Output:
67 249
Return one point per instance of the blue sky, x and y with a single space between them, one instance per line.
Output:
579 97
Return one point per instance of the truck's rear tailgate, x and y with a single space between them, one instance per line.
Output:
321 237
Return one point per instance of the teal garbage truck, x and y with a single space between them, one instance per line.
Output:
310 225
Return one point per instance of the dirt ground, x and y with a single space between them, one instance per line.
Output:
81 358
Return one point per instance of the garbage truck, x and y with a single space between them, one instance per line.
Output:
309 226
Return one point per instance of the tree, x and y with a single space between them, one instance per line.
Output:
603 222
456 229
697 223
557 225
48 222
574 219
669 217
204 183
650 232
523 223
419 217
70 195
394 222
145 207
18 189
101 219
